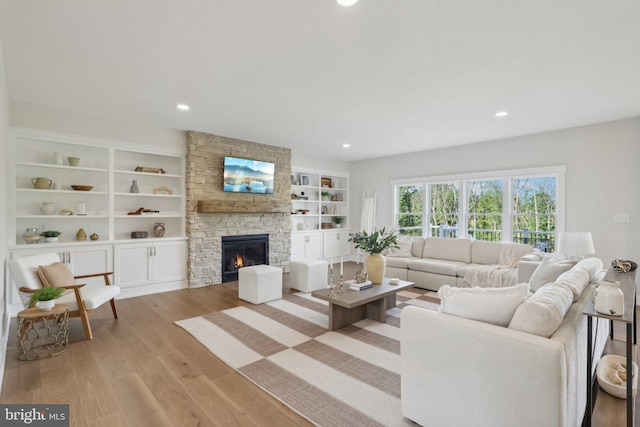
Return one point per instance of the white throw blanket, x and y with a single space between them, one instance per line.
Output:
499 275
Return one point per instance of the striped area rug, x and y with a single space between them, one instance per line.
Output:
349 377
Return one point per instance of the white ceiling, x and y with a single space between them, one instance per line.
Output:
386 76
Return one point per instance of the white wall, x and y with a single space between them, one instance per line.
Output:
33 116
602 177
306 161
4 124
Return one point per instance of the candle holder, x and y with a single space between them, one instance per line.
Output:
331 293
341 290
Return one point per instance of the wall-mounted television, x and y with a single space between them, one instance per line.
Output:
248 176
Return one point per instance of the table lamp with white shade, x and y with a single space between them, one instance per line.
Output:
575 244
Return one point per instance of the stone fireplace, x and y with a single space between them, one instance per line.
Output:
213 214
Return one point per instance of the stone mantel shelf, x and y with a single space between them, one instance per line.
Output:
227 206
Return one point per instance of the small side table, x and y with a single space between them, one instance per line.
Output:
628 287
42 333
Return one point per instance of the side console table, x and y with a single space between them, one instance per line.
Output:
628 287
42 333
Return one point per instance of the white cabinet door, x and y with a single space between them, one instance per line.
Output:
169 261
336 243
141 264
133 264
297 246
306 245
90 259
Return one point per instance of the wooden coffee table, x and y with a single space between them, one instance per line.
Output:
353 306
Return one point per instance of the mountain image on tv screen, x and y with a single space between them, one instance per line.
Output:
248 176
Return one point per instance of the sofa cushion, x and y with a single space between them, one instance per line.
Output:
485 252
464 268
438 266
417 246
548 271
576 280
489 305
447 249
397 262
592 266
404 248
543 313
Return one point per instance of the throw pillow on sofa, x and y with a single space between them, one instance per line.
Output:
548 271
404 250
543 313
489 305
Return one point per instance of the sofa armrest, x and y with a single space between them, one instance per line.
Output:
493 376
526 269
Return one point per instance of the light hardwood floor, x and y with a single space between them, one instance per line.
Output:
142 370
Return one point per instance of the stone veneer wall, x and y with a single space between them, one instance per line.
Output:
204 181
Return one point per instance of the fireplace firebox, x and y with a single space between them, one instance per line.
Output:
243 251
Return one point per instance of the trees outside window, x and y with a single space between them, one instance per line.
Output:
410 207
521 206
484 219
534 212
444 205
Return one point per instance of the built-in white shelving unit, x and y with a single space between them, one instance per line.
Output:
318 197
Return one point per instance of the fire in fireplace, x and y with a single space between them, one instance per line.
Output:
243 251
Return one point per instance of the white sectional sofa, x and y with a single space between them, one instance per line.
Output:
462 372
432 262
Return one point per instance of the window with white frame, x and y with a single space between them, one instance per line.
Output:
410 203
524 206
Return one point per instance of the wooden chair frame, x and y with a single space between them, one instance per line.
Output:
82 311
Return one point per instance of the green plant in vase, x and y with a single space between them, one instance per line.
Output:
50 236
338 221
374 243
325 195
46 294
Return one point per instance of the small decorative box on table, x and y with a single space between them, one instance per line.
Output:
42 333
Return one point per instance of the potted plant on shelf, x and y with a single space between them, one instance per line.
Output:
337 221
50 236
374 243
325 195
45 298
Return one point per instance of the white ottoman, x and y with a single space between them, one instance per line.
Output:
260 283
309 275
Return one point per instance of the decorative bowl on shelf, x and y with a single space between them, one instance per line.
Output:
82 187
603 373
303 211
73 161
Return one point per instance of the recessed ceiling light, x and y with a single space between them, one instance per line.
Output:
183 107
346 145
347 2
502 114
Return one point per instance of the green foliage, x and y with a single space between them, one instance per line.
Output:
337 219
534 209
375 242
45 294
411 201
325 194
50 233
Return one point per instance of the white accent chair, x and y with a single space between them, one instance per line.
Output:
84 298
